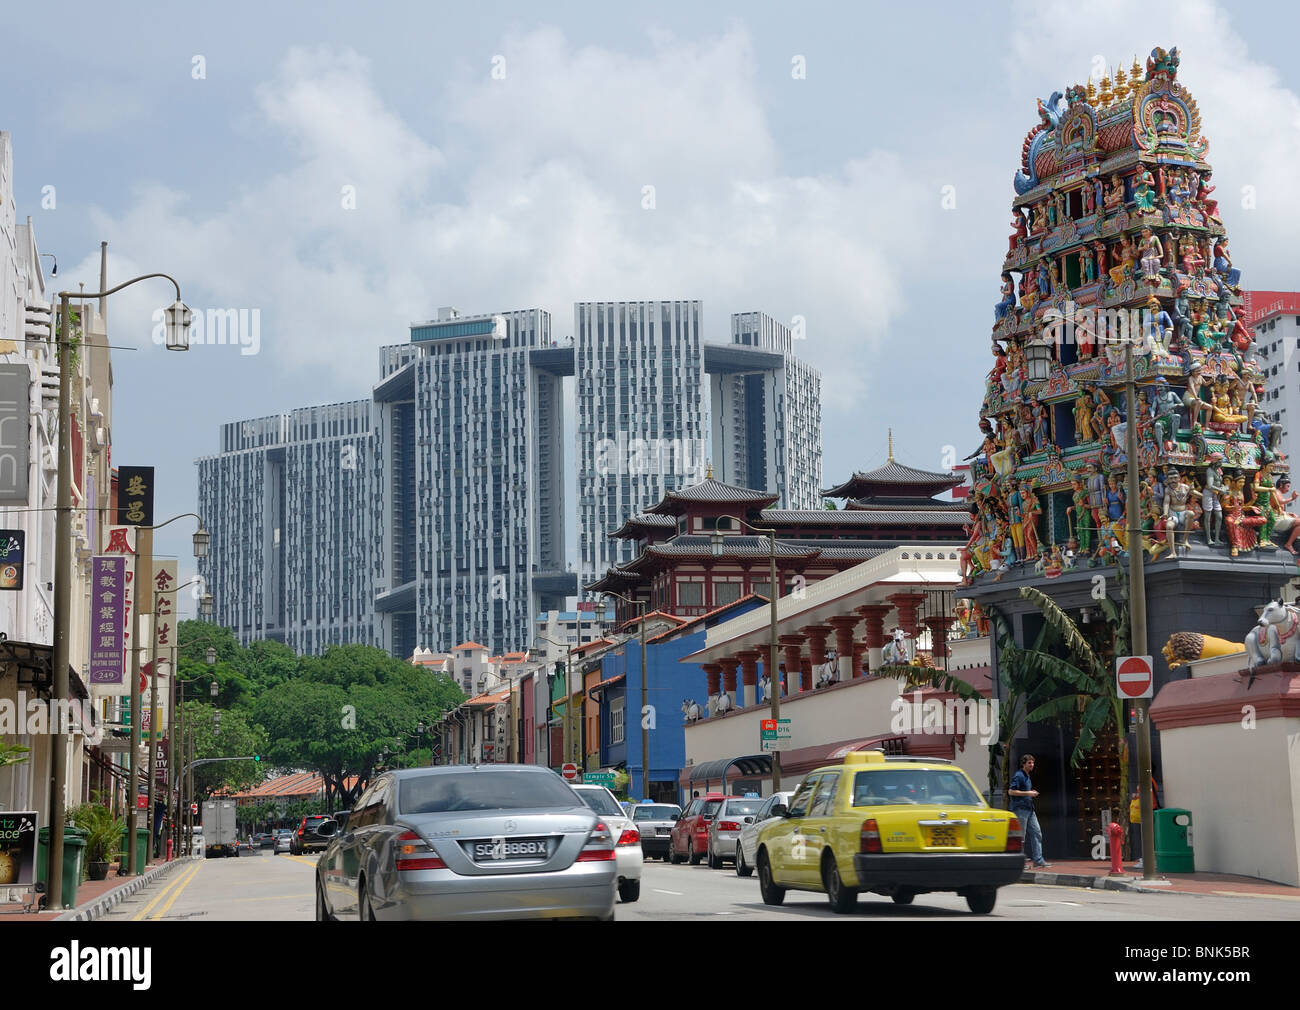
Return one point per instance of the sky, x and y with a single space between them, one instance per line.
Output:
338 171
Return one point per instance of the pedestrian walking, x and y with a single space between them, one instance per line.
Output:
1023 794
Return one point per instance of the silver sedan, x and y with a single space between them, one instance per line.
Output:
468 842
747 843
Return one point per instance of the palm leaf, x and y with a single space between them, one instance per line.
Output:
1061 623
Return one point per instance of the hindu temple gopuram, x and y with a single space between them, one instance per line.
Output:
1115 235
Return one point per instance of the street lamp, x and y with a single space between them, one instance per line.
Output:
177 321
773 671
645 698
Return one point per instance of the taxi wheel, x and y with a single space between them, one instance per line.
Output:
772 894
903 896
981 900
741 869
842 899
629 890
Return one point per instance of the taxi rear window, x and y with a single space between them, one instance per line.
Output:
902 786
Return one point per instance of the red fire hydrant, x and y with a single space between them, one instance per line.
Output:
169 850
1116 833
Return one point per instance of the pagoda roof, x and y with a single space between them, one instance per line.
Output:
710 492
615 578
894 479
935 513
634 527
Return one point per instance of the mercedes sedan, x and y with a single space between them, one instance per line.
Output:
469 842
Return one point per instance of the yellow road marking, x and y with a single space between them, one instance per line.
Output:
183 875
1256 894
175 894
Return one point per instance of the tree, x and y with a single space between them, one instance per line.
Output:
239 737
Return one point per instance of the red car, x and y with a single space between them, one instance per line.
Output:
690 835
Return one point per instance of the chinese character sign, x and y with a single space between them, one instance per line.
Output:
135 496
121 541
107 626
12 543
165 581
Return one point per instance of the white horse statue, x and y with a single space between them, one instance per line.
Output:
691 710
901 650
1273 640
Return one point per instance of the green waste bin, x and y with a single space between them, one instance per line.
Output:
141 849
74 848
1174 840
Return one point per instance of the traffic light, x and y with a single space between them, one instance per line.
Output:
194 808
257 757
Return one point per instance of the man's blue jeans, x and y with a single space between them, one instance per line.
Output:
1033 835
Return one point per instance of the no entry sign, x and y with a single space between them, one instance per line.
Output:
569 771
1133 677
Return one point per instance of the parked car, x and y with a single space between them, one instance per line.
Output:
690 835
724 829
477 842
283 840
264 840
895 826
655 822
309 837
747 843
627 838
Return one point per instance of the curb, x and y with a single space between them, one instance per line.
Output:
100 906
1096 881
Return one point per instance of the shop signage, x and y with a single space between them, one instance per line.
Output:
135 496
12 549
15 431
17 848
107 623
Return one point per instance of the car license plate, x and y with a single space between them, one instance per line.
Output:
941 836
661 831
512 849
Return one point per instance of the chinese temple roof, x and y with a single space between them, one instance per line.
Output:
894 480
635 527
886 513
710 491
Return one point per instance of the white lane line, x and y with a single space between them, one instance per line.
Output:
658 891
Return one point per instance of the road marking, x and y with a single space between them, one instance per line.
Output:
278 897
1253 894
183 875
658 891
175 894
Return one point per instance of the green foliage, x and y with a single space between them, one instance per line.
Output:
239 737
103 830
12 754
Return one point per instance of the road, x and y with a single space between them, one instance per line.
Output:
270 888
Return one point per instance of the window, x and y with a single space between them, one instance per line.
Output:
821 806
690 594
892 787
616 722
799 802
725 592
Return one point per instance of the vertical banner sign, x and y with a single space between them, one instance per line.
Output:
160 764
165 579
12 544
15 431
121 541
107 604
135 496
17 848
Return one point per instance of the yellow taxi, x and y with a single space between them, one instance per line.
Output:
890 825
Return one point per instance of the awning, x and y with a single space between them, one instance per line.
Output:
748 766
37 662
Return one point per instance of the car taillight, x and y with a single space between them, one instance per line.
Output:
1015 836
869 838
630 837
413 853
728 826
600 845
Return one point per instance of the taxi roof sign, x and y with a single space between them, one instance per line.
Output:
864 757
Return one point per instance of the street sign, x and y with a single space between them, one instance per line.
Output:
142 802
775 729
1133 677
194 808
605 779
569 771
771 745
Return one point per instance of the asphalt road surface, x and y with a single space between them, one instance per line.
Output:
279 888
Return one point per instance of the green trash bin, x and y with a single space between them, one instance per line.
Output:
141 849
74 848
1174 840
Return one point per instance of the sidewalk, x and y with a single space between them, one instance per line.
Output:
94 897
1094 873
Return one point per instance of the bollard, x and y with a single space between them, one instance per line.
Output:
1116 833
169 850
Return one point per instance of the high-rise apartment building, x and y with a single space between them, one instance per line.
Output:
1275 318
288 502
469 534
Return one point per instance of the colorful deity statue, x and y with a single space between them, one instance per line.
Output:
1223 264
1144 193
1183 317
1008 298
1080 515
1089 196
1115 194
1178 506
1164 409
1208 206
1262 489
1087 265
1242 523
1152 254
1019 233
1083 423
1212 499
1033 510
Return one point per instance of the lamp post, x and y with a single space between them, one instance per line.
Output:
645 698
177 335
773 671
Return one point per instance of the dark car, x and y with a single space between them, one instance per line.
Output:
308 837
264 840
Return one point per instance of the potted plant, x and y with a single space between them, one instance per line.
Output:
104 833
